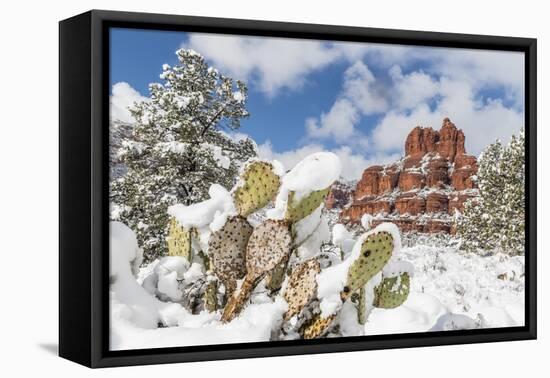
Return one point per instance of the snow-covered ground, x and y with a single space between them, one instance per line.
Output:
447 284
450 290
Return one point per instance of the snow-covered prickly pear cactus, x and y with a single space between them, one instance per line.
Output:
267 247
179 240
301 287
372 252
392 292
298 210
227 249
258 185
318 327
375 252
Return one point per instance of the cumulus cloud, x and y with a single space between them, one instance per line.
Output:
405 99
270 63
483 68
360 95
363 90
353 164
277 64
412 89
123 96
483 120
338 123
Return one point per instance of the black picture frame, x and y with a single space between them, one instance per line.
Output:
84 175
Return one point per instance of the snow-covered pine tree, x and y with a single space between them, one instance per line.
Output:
179 147
118 132
495 221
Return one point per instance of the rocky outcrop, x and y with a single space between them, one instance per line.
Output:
369 183
437 203
423 190
339 196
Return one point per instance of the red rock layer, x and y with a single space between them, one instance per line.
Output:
435 178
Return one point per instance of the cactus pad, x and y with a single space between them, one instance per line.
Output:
227 249
211 296
301 287
392 292
375 252
259 184
361 310
268 246
297 210
276 277
318 327
179 240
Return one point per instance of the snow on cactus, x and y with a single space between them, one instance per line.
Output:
178 147
360 273
495 221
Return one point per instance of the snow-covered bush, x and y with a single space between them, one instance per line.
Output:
281 256
178 147
496 220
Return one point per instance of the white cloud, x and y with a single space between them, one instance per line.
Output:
421 97
362 89
412 89
483 68
361 95
482 121
338 123
271 63
275 64
123 96
353 164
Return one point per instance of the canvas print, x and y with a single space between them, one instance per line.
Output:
273 189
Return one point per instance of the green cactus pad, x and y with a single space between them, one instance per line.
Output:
301 287
392 292
227 250
259 184
268 246
318 327
376 251
297 210
179 240
361 311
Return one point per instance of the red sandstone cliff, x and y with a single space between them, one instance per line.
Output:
421 191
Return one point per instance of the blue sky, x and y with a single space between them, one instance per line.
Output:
357 100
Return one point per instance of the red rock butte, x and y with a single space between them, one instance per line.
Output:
421 191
